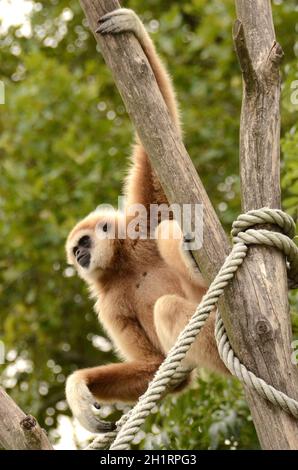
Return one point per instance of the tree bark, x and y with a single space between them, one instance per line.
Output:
17 430
255 307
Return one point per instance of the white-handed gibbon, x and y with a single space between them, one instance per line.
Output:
145 289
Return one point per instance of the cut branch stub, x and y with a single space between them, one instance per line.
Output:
246 65
17 430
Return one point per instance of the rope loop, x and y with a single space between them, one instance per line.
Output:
170 371
264 216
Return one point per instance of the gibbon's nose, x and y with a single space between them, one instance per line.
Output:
83 256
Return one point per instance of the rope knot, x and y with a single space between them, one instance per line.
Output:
243 233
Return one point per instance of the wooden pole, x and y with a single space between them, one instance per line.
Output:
259 56
254 308
17 430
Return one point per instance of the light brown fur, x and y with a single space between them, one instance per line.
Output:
145 290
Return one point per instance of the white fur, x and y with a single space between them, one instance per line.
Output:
80 401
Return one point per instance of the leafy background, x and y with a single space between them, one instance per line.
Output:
64 139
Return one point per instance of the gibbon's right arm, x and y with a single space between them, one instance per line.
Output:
142 185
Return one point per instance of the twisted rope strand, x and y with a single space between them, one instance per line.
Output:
129 424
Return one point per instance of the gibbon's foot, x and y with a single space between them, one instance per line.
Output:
84 407
119 21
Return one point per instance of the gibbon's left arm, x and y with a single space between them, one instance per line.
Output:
124 382
112 383
142 185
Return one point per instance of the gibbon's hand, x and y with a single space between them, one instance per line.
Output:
175 247
85 407
119 21
186 253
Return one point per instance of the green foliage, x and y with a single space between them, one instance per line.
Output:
213 415
64 138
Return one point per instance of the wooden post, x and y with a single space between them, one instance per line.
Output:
268 326
17 430
254 308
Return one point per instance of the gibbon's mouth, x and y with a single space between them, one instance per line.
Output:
106 426
83 258
81 251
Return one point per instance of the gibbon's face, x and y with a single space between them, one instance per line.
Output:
92 244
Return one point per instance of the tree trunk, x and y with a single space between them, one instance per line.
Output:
255 307
17 430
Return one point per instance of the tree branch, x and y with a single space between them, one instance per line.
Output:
17 430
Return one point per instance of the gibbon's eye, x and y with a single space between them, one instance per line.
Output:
75 249
85 241
105 227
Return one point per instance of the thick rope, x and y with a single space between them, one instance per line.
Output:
129 424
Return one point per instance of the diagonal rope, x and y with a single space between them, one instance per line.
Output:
243 237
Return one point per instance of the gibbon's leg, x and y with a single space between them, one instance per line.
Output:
171 314
142 185
173 249
123 382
